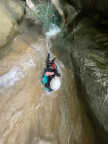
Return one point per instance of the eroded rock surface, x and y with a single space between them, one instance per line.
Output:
86 47
90 56
92 6
29 115
10 13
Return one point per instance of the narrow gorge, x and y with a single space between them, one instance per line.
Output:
75 32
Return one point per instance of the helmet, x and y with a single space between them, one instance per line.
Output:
55 83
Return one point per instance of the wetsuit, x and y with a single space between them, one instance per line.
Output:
49 73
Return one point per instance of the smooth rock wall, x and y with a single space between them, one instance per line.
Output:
86 48
10 13
29 115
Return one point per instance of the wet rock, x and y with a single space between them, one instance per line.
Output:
30 115
92 6
48 15
86 46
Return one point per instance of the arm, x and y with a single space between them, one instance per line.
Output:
49 73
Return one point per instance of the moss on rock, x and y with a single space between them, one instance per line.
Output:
48 15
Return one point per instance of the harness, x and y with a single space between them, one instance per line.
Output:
49 73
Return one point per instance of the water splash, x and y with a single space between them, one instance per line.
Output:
52 32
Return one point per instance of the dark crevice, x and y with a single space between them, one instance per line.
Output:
101 134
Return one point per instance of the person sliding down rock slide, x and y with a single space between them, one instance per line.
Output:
51 77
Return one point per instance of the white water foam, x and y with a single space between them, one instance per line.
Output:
52 32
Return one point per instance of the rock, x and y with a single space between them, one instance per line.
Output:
86 48
28 114
11 12
16 9
31 15
7 27
98 5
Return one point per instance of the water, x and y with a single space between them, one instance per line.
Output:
52 32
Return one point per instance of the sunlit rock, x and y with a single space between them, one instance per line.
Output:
16 9
7 27
10 13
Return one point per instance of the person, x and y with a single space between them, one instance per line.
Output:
51 76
